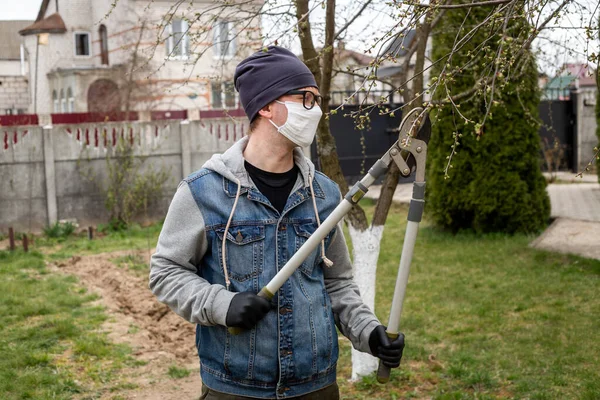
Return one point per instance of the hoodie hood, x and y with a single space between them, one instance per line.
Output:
230 164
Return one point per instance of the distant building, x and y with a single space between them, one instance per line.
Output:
86 56
14 90
573 76
396 55
350 72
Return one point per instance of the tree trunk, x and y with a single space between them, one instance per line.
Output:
326 148
366 251
367 243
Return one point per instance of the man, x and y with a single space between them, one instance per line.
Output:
234 223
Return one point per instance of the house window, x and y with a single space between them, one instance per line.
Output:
82 44
70 101
229 94
103 44
216 95
63 102
224 39
178 42
55 103
224 95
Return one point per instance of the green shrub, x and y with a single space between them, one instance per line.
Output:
495 183
131 186
114 225
59 230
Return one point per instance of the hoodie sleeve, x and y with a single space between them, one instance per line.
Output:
173 268
353 317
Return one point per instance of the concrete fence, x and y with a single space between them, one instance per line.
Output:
46 171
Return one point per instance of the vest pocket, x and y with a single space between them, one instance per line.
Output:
244 250
304 230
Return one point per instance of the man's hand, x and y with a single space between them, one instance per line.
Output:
389 352
246 309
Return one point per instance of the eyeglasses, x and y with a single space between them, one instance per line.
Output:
309 99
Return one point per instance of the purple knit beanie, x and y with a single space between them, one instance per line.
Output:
267 75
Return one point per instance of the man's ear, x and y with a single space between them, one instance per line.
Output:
266 111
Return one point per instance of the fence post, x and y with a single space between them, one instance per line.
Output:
11 238
49 174
186 151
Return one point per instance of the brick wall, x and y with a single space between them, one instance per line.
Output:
14 94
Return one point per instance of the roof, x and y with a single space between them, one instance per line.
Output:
360 58
386 72
52 24
10 41
342 53
585 75
401 43
561 82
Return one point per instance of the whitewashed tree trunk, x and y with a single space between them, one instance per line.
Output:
366 245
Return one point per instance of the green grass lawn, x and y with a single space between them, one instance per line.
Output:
497 318
485 317
50 346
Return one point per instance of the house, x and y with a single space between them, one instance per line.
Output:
14 90
396 57
96 55
393 54
350 72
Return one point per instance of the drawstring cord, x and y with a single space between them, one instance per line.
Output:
223 254
325 260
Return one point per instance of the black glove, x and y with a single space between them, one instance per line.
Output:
246 309
389 352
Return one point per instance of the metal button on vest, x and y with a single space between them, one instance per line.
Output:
239 237
282 227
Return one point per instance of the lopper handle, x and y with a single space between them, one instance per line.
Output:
383 372
265 294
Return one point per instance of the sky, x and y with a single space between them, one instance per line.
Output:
27 9
377 21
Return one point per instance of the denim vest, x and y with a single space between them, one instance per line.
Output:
293 350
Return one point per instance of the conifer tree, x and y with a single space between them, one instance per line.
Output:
492 181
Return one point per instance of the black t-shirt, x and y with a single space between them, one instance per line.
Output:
275 186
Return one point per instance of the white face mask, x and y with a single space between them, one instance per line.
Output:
301 124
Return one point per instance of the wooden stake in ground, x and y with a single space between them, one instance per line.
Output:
11 238
90 233
25 243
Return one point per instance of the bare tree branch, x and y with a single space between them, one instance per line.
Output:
351 21
546 22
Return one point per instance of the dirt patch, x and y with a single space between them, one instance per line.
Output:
156 334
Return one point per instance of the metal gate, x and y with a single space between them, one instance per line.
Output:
557 132
359 149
